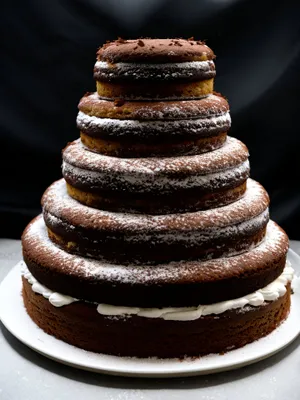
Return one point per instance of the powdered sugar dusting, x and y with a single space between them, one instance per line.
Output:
232 153
226 164
209 106
146 184
123 127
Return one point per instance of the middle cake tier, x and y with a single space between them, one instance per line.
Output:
153 129
147 239
161 185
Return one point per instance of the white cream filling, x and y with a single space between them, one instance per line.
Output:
55 298
191 65
271 292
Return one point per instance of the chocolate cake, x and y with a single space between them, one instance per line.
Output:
149 129
156 243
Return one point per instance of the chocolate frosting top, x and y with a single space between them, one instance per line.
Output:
154 51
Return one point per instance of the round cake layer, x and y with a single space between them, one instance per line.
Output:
220 327
154 91
271 292
211 106
131 148
137 238
180 284
160 90
144 137
149 184
158 205
154 51
155 174
129 71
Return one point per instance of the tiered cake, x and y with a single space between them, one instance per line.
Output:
155 243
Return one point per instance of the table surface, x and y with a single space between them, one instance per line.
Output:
26 375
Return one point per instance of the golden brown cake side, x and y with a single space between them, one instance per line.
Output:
154 91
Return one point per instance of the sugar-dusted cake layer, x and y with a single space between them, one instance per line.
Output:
157 185
213 170
103 131
210 106
148 239
176 284
154 69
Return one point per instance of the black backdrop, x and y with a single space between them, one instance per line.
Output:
47 56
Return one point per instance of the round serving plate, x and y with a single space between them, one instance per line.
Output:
14 317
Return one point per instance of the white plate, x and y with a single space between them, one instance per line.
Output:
16 320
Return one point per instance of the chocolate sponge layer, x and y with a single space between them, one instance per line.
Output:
80 325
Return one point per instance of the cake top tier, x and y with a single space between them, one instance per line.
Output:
154 51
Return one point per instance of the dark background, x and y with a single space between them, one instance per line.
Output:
47 57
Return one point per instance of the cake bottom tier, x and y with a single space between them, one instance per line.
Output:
80 325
